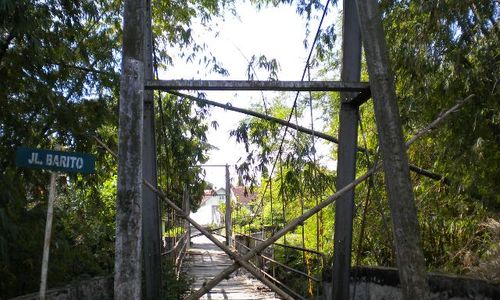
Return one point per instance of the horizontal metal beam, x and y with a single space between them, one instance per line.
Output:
246 85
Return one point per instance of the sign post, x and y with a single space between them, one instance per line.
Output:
56 161
48 232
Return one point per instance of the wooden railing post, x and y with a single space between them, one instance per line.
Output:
229 222
186 206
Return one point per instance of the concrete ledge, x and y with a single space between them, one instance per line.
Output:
97 288
383 283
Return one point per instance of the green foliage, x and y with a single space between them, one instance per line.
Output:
174 287
57 69
173 232
59 65
443 53
182 144
440 53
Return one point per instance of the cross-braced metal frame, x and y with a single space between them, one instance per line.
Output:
137 151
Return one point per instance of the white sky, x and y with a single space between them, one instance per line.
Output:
275 32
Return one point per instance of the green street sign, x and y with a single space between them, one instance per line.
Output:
61 161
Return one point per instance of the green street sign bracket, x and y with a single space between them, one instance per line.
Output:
61 161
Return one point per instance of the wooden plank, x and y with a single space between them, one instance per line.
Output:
228 221
245 85
204 261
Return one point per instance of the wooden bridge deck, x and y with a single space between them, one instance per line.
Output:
205 260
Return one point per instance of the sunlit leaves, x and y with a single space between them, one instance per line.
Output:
182 145
59 64
441 52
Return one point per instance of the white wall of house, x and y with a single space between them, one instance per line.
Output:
208 213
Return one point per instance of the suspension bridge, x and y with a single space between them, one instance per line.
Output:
242 266
237 251
257 261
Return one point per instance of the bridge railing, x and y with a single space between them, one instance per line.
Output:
268 264
177 252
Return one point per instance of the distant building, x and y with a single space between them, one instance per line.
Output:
209 213
243 196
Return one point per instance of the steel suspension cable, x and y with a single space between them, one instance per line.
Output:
162 137
300 175
367 200
283 212
313 150
272 223
294 106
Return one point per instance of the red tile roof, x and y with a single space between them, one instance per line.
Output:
243 194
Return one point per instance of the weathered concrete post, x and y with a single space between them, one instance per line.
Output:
348 142
410 258
150 204
128 245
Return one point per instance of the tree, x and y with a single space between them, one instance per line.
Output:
59 70
440 54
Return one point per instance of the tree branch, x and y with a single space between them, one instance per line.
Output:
86 69
5 45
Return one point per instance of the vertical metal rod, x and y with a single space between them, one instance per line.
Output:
48 233
229 233
128 246
150 204
346 165
283 212
272 223
317 226
303 234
